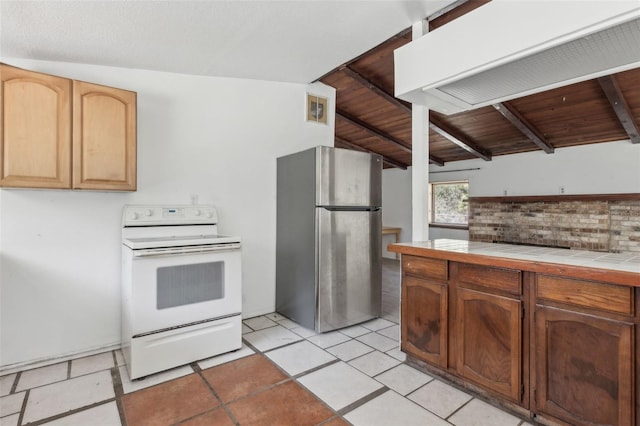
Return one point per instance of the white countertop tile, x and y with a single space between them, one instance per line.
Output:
628 262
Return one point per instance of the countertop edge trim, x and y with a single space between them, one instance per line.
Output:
630 279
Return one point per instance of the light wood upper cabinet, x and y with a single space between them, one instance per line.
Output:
104 137
59 133
35 136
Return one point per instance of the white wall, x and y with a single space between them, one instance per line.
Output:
605 168
215 137
396 206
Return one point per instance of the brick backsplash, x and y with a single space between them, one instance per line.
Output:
609 226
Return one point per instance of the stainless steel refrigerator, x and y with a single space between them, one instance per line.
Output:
329 236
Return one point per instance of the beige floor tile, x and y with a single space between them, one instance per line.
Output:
287 323
91 364
392 409
259 323
57 398
378 341
339 385
374 363
355 331
440 398
377 324
11 404
303 332
349 350
6 382
271 338
397 354
403 379
274 316
392 332
299 357
42 376
119 358
102 415
325 340
479 413
11 420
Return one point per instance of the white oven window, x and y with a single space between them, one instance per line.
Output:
186 284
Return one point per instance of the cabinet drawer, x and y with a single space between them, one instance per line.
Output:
507 280
588 294
424 267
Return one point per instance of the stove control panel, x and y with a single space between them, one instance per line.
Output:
147 215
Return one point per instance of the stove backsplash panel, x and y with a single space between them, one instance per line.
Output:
598 225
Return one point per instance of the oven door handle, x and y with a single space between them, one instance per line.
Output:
172 251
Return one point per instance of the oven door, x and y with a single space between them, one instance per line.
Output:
179 287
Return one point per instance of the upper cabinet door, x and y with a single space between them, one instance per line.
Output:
35 132
104 137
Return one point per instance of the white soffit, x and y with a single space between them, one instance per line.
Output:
508 49
294 41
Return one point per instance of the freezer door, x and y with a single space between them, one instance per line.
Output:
349 267
348 178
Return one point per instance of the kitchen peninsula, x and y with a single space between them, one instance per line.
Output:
549 333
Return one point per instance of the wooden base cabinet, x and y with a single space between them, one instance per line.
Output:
555 347
425 309
60 133
489 341
584 368
424 320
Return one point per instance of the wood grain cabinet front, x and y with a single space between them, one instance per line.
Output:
558 347
104 137
584 351
35 134
583 368
47 121
424 319
489 328
489 341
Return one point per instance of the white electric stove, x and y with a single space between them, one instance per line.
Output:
181 287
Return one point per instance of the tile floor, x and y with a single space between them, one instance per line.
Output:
283 375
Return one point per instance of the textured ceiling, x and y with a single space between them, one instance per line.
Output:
295 41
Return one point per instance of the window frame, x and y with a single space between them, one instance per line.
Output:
431 213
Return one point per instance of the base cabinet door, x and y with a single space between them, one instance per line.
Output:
583 368
424 320
489 341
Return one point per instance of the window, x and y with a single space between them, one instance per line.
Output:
449 204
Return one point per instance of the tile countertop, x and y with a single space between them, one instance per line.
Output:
620 267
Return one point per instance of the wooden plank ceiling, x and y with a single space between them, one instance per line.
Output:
369 118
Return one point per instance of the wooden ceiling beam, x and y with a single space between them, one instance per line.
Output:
362 80
386 159
452 135
436 160
382 135
519 122
620 107
372 130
